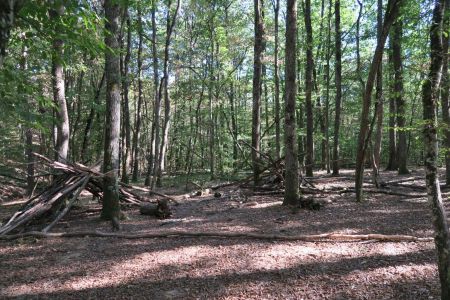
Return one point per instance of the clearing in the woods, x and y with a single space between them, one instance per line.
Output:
178 267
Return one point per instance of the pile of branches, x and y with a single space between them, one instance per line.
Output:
54 201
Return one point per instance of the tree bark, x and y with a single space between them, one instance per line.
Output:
430 94
276 10
165 80
140 74
366 128
327 90
392 163
29 157
379 104
398 94
309 159
445 85
257 74
155 135
337 79
111 208
291 194
126 105
59 97
90 120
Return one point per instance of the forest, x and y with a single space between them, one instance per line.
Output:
224 149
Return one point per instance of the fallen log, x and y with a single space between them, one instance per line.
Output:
327 237
379 191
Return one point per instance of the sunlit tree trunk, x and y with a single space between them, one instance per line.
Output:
366 128
376 161
155 134
59 97
337 80
111 208
445 85
398 94
308 91
165 80
276 10
126 105
257 73
430 95
140 74
291 194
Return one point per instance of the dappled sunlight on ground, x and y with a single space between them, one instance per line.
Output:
240 268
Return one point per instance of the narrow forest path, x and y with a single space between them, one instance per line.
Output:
217 268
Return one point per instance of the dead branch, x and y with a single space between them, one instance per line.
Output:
260 236
379 191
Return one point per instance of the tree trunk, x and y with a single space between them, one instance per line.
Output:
327 91
445 85
140 74
234 129
111 208
257 72
430 94
308 91
62 119
165 80
155 135
366 128
126 105
291 194
398 94
90 120
337 79
379 104
29 157
276 9
392 163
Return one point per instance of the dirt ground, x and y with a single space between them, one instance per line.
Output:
240 268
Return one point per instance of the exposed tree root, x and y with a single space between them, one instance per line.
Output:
260 236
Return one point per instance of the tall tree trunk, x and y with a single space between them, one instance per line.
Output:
291 194
257 72
379 104
366 128
155 135
126 105
445 85
392 163
165 80
62 122
28 130
111 208
234 129
398 92
276 9
308 91
90 119
337 80
327 90
430 95
140 74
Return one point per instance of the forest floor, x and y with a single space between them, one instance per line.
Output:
237 268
